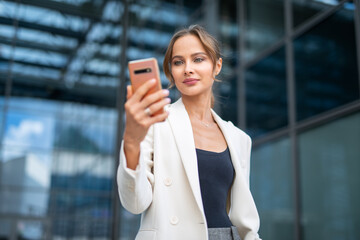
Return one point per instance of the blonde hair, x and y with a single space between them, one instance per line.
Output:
210 44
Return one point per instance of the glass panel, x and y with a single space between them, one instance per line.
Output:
82 171
31 230
62 49
67 53
272 188
26 169
326 66
33 202
266 98
28 130
6 227
82 214
329 164
265 25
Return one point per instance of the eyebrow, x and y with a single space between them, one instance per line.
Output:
192 55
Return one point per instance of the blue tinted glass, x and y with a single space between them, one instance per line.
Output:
272 188
264 25
329 171
266 98
326 66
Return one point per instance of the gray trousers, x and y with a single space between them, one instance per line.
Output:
224 234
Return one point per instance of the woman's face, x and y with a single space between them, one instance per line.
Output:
191 67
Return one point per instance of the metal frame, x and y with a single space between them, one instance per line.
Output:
241 84
121 93
291 106
357 32
327 116
8 88
294 127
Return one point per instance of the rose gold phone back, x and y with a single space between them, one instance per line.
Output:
138 79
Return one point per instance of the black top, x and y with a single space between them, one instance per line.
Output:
216 174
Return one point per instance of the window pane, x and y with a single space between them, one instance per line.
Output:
265 25
266 99
33 202
5 228
326 66
272 189
86 214
32 230
329 161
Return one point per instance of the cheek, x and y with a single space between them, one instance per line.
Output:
176 73
207 70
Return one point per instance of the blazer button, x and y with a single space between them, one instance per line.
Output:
174 220
167 181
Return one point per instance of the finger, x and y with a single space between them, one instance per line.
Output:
154 97
158 105
143 89
158 118
129 92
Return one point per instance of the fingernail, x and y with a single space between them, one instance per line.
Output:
166 92
152 80
168 100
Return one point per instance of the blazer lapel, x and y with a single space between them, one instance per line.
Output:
181 127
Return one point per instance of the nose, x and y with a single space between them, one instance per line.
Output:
188 69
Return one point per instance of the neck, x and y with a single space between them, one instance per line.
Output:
198 106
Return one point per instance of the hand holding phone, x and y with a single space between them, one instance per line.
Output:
144 106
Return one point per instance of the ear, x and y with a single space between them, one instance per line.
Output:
218 66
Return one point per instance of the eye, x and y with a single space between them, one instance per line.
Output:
198 59
177 62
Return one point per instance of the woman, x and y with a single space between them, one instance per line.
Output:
188 174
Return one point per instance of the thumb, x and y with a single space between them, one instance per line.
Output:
129 92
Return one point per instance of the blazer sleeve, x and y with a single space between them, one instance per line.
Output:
245 139
136 186
248 157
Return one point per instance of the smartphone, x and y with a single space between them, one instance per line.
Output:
144 70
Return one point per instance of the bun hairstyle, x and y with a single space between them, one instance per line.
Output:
210 44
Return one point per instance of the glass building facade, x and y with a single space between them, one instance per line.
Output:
290 79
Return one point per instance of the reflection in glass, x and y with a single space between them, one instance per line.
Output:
266 98
25 169
31 230
265 25
18 201
329 165
326 66
272 188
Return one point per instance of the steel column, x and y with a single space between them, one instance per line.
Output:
291 106
121 96
241 83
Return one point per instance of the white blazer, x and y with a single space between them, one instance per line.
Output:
165 187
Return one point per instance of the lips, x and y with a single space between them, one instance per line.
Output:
190 81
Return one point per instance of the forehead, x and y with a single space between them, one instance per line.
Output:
187 45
